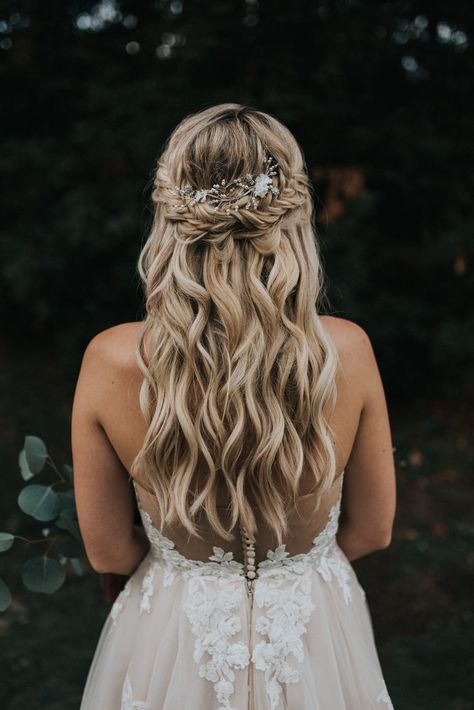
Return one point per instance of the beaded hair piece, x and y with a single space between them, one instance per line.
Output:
228 193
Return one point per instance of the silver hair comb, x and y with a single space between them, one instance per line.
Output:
255 187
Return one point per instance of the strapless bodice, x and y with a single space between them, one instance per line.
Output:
323 554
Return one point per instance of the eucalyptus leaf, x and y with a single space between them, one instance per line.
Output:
67 521
77 566
5 596
61 522
41 502
24 468
67 501
6 541
36 453
43 575
69 547
67 472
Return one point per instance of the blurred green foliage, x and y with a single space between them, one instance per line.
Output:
60 539
386 89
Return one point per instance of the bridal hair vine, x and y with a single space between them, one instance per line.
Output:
228 193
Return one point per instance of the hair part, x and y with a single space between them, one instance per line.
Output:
239 373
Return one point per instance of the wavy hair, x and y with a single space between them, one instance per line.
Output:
238 369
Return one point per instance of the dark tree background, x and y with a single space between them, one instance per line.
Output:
380 95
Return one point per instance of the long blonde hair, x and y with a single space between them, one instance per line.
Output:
237 366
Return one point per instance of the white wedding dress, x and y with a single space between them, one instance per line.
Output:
287 631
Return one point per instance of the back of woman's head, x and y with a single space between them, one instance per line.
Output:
237 367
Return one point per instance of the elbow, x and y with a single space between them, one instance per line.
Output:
103 560
376 540
356 543
383 540
102 565
120 557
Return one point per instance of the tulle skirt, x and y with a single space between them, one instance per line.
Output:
302 639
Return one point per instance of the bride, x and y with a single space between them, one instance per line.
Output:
253 434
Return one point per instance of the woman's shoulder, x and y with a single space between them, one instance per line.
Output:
114 346
345 333
352 342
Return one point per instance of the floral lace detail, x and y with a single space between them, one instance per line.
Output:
338 565
128 703
282 590
325 557
331 559
147 588
210 607
165 555
119 603
288 607
384 697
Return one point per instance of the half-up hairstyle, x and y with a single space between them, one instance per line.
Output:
239 373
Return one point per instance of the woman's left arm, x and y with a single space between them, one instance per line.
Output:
104 496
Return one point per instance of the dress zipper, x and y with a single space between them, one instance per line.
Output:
250 572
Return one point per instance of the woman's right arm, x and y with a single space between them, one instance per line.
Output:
369 492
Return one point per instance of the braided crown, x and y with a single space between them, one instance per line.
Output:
228 194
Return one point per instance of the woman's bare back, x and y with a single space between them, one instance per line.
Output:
123 422
122 419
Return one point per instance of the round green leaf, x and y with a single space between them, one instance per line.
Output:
41 502
61 521
43 575
68 504
67 472
36 453
24 468
5 596
6 541
76 564
67 521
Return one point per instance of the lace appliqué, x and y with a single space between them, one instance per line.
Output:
119 603
288 607
282 588
210 608
172 562
337 564
128 703
330 558
147 589
325 557
384 697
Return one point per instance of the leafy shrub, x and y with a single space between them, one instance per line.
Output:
53 505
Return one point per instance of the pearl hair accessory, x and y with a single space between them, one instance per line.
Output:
255 187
